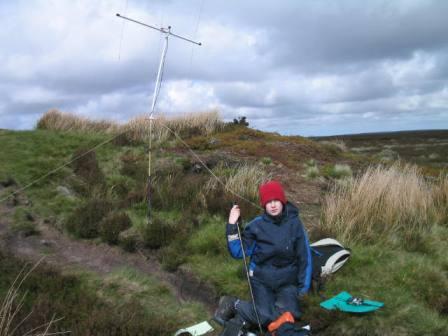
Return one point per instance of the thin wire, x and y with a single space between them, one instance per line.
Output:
122 32
196 31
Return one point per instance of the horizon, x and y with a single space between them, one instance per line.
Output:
306 136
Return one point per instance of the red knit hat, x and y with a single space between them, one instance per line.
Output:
272 190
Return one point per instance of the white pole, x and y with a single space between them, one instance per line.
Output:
157 86
159 74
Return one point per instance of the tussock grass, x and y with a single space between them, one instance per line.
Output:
310 163
312 172
340 171
246 180
393 202
338 144
137 129
243 180
56 120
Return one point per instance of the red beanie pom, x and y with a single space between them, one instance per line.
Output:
272 190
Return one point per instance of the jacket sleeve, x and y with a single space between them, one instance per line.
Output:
304 257
234 243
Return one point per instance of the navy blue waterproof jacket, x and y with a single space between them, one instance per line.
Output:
278 248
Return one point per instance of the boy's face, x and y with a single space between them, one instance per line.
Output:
274 207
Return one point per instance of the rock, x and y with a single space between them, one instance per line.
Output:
213 141
197 168
64 191
46 242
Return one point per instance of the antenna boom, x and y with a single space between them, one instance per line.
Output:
162 30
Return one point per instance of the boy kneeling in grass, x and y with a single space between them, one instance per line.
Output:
279 268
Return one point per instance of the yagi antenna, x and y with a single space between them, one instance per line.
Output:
167 32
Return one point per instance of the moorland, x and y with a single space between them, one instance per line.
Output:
78 253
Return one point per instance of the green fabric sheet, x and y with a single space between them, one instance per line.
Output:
342 302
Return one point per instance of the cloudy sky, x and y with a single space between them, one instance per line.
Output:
294 67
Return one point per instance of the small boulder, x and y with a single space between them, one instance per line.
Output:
64 191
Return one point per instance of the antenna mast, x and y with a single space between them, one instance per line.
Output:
167 33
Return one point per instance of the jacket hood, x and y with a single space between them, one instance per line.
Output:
289 210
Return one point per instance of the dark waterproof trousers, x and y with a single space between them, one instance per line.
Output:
270 303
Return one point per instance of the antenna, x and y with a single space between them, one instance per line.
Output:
167 32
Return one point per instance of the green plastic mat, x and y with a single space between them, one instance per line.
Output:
196 330
347 303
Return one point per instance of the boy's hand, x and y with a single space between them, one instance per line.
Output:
234 214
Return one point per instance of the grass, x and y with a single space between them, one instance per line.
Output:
398 255
243 179
440 194
312 172
383 203
156 299
24 222
394 277
11 305
425 148
335 145
239 140
124 302
336 171
28 163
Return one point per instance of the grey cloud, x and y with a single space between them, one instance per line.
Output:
322 36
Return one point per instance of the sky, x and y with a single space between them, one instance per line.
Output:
309 68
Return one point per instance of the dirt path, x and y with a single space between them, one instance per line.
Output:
65 253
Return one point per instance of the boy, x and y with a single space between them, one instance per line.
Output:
280 264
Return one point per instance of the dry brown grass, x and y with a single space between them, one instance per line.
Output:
137 129
393 202
11 306
243 180
56 120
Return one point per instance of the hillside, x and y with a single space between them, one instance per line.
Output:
89 219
